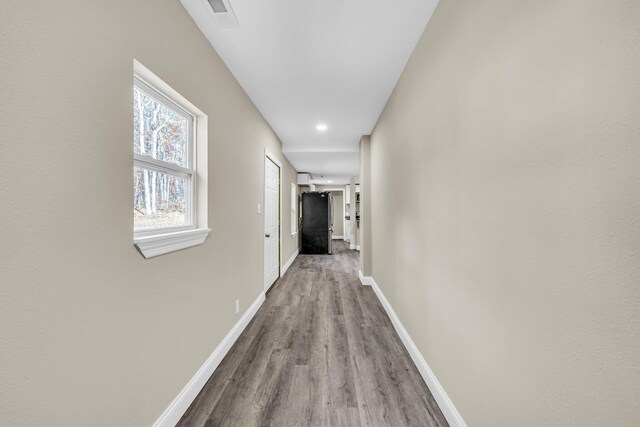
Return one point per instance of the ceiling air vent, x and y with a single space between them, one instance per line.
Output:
218 6
223 13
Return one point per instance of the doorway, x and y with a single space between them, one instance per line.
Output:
272 183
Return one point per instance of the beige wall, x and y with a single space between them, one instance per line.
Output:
338 213
505 207
90 332
364 238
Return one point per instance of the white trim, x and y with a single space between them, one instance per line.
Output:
181 403
162 166
365 280
149 77
269 155
150 246
273 157
161 93
288 263
337 237
357 247
352 246
444 402
197 197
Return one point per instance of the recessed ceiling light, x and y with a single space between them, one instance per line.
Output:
322 127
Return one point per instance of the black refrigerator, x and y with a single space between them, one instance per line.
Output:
317 222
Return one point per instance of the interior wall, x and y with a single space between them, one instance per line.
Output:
505 206
364 238
89 330
338 213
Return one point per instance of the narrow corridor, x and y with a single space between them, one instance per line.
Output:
320 351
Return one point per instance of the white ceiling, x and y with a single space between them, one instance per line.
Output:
309 62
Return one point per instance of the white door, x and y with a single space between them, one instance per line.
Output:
271 223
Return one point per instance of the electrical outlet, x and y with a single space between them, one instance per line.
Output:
237 306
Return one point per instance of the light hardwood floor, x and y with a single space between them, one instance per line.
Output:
321 351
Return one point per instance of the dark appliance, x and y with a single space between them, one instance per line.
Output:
317 222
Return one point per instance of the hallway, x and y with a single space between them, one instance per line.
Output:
320 351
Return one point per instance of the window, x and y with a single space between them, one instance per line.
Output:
165 144
163 171
294 206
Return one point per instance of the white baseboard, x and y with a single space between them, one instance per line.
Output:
288 264
444 402
337 237
352 246
358 247
181 403
365 280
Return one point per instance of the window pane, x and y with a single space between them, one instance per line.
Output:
158 131
159 199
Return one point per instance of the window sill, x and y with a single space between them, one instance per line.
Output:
151 246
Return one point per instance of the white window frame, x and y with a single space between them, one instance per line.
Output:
294 209
189 173
158 241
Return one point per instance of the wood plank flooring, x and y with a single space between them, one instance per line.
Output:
321 351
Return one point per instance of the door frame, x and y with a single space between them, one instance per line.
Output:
344 207
269 156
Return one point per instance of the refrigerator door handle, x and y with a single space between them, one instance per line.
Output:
331 211
330 206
